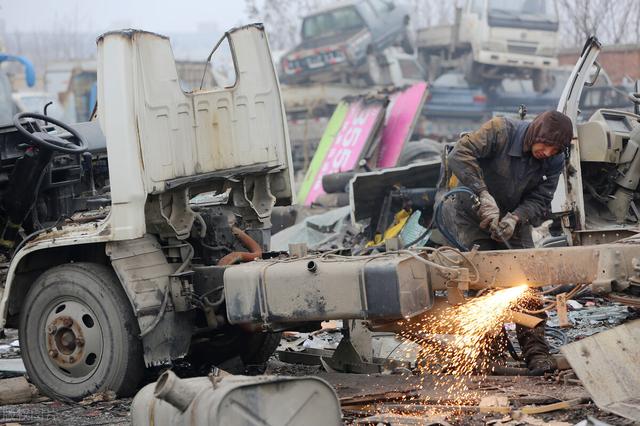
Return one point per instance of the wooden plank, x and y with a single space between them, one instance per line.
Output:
561 309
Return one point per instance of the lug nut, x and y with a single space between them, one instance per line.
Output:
72 359
53 353
68 322
80 342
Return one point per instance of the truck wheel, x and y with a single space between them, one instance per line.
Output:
254 349
419 151
259 347
78 334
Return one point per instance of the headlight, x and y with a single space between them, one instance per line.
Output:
357 47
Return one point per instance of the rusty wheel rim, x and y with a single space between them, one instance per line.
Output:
73 342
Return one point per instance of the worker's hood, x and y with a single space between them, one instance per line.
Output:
551 128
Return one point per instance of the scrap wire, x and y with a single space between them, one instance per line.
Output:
553 304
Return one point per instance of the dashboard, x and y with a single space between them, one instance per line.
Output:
606 135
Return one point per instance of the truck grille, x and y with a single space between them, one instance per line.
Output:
522 49
314 61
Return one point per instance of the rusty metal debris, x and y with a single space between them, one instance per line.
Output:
607 364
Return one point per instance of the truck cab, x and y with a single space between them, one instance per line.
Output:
520 33
493 39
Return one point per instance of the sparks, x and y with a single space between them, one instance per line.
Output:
463 339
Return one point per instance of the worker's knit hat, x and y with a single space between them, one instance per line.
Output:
550 128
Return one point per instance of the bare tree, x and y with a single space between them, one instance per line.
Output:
427 13
282 18
611 21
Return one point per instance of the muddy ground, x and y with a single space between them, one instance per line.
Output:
415 397
351 388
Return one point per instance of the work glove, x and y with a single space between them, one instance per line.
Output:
488 210
506 227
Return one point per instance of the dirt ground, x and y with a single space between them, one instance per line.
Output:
396 399
361 396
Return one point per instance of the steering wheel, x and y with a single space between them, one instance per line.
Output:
46 140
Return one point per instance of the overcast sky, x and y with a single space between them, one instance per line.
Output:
97 16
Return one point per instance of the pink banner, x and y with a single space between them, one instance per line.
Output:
348 145
404 107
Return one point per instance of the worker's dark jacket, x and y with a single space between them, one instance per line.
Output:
492 158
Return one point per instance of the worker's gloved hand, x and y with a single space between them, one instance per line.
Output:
488 210
505 228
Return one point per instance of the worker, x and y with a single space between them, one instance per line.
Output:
513 167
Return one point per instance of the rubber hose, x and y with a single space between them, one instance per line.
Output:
438 212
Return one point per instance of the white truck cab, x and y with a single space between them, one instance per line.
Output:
515 33
492 39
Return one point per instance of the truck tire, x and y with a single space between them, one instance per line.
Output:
418 151
259 348
78 334
253 348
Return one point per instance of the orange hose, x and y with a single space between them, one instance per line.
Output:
255 251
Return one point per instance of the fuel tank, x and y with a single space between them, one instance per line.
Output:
326 287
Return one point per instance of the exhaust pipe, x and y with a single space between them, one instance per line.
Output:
172 389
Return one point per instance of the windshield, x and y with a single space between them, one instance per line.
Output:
524 9
6 103
332 22
36 103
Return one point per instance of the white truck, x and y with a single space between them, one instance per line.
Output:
492 39
114 267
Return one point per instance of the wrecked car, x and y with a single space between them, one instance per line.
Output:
338 42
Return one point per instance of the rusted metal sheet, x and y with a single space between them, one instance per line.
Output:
605 267
538 267
607 364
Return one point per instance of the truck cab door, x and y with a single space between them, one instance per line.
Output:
164 141
569 195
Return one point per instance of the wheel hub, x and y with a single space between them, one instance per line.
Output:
74 339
